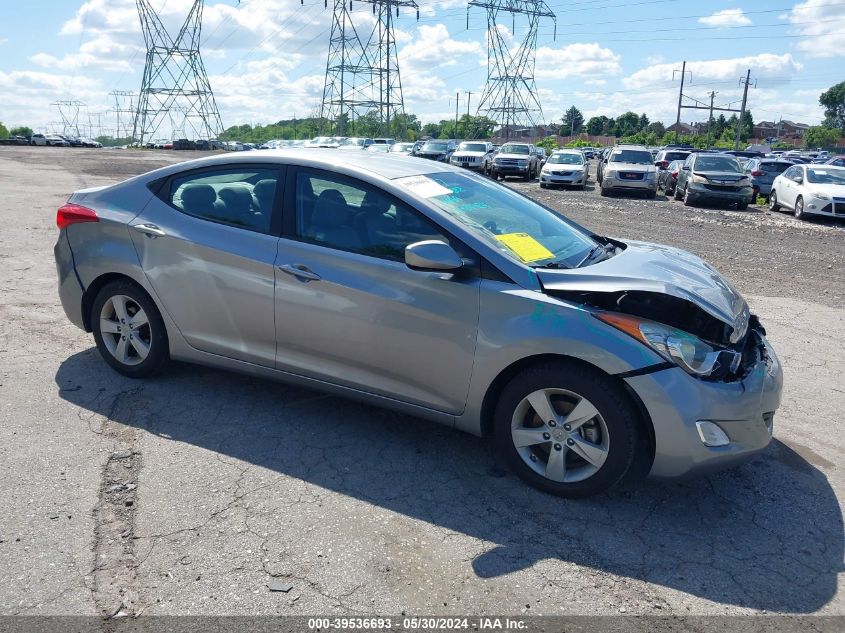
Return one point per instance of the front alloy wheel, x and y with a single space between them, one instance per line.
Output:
566 429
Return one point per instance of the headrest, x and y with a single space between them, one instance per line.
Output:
264 189
375 203
331 210
236 198
198 197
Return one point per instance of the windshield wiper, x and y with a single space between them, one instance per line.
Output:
604 248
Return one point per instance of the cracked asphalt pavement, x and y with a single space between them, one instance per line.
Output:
188 493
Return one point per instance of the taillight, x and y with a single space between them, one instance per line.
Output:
73 214
757 172
675 173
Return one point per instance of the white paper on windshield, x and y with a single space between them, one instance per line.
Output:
423 186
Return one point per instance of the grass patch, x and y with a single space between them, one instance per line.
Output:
761 201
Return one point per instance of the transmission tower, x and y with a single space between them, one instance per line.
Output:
510 95
362 73
174 78
125 106
69 116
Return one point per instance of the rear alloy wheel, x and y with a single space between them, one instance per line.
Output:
773 201
129 330
799 208
566 430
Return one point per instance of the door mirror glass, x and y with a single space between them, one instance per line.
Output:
799 179
432 255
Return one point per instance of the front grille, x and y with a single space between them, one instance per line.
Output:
562 173
464 159
722 187
507 161
631 175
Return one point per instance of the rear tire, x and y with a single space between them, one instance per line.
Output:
129 330
585 459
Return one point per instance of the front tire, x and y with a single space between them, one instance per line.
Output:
566 430
129 330
773 201
687 198
799 208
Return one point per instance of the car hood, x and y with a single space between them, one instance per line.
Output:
616 166
520 156
724 176
831 190
660 269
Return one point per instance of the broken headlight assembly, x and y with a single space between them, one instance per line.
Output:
692 354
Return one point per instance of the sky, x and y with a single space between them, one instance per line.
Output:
266 58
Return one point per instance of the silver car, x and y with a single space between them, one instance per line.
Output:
431 290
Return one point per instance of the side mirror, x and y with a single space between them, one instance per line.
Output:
799 179
685 167
657 164
432 255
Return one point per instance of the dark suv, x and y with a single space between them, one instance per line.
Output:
436 149
720 177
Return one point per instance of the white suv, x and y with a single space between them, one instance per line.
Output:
475 155
629 168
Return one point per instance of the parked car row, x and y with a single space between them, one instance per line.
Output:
58 140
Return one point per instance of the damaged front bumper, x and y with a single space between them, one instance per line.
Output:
743 409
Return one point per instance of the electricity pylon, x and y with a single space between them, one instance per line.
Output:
362 73
124 112
510 95
69 116
174 78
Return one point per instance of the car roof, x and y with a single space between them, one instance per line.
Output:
382 165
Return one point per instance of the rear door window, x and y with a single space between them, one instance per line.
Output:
243 197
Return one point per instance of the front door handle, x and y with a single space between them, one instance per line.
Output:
299 271
150 230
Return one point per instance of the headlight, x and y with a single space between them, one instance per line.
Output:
701 180
610 174
820 195
689 352
651 175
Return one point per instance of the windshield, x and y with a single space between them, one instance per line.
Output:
718 163
566 159
378 147
353 141
511 223
826 176
636 156
473 147
401 147
514 149
434 147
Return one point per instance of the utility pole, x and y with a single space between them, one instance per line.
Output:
457 98
710 120
466 132
746 81
680 94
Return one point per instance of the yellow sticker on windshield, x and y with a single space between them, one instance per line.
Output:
525 247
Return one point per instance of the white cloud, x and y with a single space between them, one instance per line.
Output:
822 23
725 18
775 68
576 60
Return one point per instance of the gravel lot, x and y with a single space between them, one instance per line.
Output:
187 494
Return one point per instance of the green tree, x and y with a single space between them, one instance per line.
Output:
572 122
656 128
643 121
627 124
821 136
746 131
833 100
4 133
21 130
431 129
597 124
549 144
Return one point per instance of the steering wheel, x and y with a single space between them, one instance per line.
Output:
490 225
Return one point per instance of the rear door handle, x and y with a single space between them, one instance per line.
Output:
299 271
150 230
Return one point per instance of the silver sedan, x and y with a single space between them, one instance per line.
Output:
432 290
